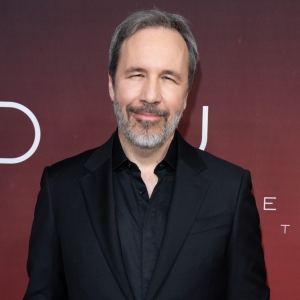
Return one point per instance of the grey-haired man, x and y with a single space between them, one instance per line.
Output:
146 215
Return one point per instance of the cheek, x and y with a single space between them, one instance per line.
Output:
128 92
174 100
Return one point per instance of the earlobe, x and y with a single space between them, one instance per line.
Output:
111 88
185 102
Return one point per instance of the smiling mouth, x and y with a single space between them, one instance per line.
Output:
147 112
147 116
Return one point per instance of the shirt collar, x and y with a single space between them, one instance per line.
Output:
119 157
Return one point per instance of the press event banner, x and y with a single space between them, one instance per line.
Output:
244 107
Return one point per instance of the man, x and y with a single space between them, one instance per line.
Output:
146 215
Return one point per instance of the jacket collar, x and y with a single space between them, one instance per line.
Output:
100 155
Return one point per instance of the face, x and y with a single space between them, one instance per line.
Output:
151 85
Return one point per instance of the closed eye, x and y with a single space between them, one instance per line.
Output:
137 75
169 78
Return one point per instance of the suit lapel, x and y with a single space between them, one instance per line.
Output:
188 195
98 194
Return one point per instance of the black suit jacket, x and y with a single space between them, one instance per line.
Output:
211 248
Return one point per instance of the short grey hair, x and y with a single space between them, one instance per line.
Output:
152 18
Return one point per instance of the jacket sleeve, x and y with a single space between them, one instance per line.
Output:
245 258
44 265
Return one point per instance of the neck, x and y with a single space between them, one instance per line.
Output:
144 158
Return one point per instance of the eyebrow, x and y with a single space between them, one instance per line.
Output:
165 72
134 69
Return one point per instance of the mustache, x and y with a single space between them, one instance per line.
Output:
147 108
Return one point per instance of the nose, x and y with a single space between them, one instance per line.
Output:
151 92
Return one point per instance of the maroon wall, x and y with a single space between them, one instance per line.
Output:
53 60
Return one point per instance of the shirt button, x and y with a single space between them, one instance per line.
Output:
142 192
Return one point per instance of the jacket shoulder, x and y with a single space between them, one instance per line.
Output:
70 167
73 161
216 162
82 163
201 160
220 169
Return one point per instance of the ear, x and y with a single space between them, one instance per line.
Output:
185 101
111 88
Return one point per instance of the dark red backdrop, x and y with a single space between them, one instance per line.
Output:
53 58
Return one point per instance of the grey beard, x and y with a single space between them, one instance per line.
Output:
146 139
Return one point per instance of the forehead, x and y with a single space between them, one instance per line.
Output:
154 45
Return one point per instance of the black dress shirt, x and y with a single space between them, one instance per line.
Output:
141 220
